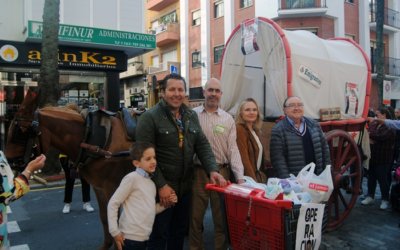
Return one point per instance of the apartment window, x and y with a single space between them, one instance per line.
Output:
196 17
154 26
218 9
155 61
218 53
196 59
353 37
298 4
170 56
245 3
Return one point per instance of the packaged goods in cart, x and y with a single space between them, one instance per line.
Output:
298 198
307 187
290 184
273 188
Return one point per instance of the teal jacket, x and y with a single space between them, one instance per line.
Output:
174 165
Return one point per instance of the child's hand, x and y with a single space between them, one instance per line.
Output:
119 241
173 198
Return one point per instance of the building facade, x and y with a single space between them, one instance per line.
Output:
211 22
163 19
96 39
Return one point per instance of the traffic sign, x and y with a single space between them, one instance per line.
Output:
173 69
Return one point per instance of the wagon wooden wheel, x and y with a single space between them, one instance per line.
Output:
346 175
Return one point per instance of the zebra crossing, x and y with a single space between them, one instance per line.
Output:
13 227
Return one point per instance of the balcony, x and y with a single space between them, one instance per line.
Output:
392 66
157 5
166 34
164 67
391 20
132 70
302 8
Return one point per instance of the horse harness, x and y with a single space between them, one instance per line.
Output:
97 135
93 146
29 136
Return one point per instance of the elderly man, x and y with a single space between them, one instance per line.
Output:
296 141
175 132
220 130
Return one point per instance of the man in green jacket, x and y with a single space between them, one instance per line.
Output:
175 131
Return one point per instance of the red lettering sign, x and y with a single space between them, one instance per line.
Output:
318 187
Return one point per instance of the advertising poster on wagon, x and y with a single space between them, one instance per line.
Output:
309 226
249 36
387 89
351 105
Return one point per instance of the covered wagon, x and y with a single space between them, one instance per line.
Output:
332 77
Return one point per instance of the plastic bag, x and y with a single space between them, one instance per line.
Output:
320 186
290 184
298 198
273 188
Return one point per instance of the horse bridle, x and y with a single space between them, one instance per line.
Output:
33 147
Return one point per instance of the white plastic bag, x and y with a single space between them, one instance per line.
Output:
320 186
273 189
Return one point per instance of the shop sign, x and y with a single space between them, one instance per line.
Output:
137 100
81 34
29 54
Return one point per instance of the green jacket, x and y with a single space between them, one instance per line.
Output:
174 165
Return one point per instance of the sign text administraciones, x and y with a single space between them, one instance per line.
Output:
95 35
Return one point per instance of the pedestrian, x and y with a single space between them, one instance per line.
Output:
382 140
296 141
137 196
397 113
249 141
220 130
69 187
393 124
175 132
396 156
13 189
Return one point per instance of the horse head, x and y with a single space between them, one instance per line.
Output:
23 130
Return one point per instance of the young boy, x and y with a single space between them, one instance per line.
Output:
136 194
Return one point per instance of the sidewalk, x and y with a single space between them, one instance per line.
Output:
55 180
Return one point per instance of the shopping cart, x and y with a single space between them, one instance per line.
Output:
256 222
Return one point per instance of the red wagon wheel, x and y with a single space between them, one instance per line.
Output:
346 175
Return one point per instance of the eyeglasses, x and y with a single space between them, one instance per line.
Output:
295 105
211 90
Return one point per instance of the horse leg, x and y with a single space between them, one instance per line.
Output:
103 201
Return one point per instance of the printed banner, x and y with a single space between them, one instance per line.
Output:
387 89
309 225
249 36
351 109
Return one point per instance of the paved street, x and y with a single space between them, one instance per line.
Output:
38 224
367 227
44 227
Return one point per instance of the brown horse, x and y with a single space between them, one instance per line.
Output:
64 129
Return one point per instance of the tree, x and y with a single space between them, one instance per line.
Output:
49 86
49 76
380 67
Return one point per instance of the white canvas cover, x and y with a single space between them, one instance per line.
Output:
323 73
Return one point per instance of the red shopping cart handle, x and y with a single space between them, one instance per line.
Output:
214 187
257 194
